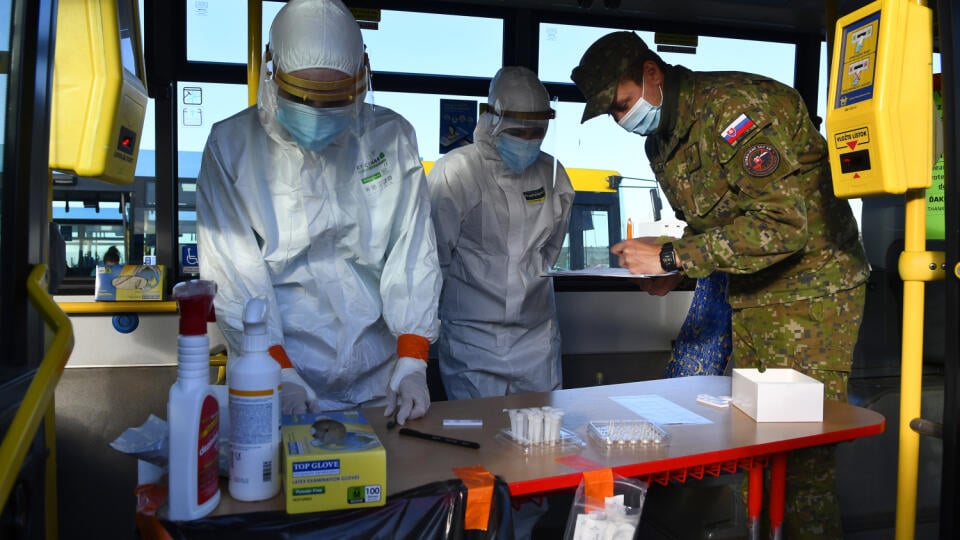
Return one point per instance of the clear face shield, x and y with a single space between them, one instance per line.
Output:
316 105
519 135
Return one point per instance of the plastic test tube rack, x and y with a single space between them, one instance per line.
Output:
627 433
538 427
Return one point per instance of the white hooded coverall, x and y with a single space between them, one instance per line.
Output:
498 232
339 242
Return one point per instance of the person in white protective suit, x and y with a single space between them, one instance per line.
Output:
317 202
500 208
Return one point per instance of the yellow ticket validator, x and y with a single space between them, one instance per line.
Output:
99 92
880 104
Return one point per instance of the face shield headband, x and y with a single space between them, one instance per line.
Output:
548 114
343 91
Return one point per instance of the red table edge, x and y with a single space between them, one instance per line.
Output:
678 469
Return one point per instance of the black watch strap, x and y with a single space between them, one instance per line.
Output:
668 258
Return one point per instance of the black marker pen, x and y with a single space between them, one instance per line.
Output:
438 438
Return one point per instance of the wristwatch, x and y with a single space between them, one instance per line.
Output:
668 258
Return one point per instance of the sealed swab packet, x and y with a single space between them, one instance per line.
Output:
714 401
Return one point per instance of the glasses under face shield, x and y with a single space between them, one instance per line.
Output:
336 93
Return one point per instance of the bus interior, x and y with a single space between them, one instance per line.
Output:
197 61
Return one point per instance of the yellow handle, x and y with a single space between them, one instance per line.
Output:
39 395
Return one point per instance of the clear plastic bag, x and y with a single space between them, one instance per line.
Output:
614 517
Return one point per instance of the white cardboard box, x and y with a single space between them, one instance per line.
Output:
778 395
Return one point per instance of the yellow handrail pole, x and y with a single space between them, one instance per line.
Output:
916 266
254 25
38 400
911 369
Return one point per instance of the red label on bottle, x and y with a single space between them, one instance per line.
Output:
208 457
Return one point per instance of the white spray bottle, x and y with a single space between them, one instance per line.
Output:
193 414
254 411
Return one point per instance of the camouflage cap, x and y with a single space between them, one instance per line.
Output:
601 67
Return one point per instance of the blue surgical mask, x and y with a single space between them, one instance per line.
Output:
643 118
518 153
313 128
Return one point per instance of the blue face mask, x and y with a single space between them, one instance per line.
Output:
643 118
518 153
313 128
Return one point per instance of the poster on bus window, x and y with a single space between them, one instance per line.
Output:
458 118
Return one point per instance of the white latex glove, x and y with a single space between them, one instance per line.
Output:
296 396
407 392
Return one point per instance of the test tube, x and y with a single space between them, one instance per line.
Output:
550 427
517 423
556 421
535 426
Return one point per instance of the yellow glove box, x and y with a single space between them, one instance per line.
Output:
332 461
99 95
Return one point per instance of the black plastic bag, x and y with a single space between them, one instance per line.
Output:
432 511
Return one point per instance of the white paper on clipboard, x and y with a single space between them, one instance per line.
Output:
604 272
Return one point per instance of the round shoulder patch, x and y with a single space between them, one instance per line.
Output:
761 159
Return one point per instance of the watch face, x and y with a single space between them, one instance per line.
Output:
667 259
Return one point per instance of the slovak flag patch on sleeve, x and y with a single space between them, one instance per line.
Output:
738 127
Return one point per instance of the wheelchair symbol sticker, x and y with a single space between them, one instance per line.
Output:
189 260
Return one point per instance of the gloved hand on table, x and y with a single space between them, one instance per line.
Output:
407 393
296 396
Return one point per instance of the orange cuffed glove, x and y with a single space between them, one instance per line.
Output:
407 393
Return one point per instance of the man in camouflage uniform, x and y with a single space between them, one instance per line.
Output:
741 162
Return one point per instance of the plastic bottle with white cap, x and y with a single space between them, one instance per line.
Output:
254 382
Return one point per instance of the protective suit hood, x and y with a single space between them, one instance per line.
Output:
516 98
312 34
316 34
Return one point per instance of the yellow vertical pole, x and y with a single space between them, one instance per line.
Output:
254 24
916 266
911 369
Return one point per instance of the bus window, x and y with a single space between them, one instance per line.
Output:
217 30
454 45
91 217
423 111
587 244
473 46
201 105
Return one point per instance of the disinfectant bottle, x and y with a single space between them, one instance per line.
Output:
193 414
254 411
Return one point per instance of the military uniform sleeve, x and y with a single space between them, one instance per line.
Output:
755 188
410 282
228 250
